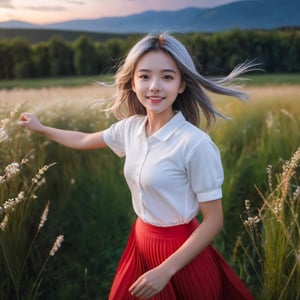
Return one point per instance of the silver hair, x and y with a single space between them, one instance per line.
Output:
194 101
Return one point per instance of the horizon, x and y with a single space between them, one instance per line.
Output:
66 10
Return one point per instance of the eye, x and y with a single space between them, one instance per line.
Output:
143 76
168 77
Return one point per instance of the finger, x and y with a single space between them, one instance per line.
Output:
21 123
142 290
145 293
23 117
134 286
142 293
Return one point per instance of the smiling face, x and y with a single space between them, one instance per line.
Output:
157 82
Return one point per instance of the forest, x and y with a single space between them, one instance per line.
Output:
277 51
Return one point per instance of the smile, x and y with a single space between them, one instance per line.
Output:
155 99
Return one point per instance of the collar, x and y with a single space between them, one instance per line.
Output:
167 130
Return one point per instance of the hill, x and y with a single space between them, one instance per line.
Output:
250 14
253 14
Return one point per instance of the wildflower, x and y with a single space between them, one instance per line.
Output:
251 221
270 120
38 177
8 205
289 170
4 123
44 216
296 194
247 204
269 173
277 206
24 161
42 181
3 135
20 196
56 245
12 202
4 223
12 169
2 179
16 109
287 113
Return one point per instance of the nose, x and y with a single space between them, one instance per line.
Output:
154 86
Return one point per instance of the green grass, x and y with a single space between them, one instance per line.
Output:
273 79
257 79
37 83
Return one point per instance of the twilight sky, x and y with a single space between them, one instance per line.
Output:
46 11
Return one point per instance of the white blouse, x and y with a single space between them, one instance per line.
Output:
169 172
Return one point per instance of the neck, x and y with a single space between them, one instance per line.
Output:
156 121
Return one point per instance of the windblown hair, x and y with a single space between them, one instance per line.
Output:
194 101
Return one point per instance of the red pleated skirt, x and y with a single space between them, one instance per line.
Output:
207 277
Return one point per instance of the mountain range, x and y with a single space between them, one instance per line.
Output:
250 14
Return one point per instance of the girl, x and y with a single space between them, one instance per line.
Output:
173 170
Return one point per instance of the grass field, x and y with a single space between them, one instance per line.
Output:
257 79
261 239
53 82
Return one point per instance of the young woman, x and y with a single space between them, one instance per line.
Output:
173 170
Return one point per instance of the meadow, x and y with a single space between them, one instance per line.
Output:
65 214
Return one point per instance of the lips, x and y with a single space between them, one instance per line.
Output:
155 99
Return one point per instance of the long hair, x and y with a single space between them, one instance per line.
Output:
194 101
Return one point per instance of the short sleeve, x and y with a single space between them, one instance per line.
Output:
205 171
114 137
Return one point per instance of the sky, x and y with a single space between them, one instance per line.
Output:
46 11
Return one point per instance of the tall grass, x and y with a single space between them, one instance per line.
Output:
18 231
276 243
90 202
263 132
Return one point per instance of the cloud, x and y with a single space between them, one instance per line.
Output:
45 8
6 4
77 2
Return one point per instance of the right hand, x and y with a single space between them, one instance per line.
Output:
30 121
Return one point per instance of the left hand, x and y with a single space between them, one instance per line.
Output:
150 283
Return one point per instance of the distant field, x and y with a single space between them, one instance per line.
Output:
41 35
53 82
261 79
265 79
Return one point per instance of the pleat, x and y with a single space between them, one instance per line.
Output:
207 277
128 271
233 287
198 280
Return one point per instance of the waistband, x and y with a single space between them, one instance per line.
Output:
169 231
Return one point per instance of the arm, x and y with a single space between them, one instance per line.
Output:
156 279
68 138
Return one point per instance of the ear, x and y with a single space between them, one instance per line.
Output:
182 87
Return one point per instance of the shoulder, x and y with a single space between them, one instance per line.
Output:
193 134
197 142
133 120
129 122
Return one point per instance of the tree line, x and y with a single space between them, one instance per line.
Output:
277 51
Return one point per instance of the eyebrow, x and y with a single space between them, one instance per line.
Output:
162 71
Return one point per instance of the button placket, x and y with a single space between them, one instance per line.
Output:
141 163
